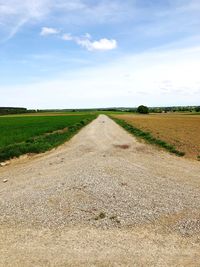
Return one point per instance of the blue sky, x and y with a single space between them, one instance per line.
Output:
89 53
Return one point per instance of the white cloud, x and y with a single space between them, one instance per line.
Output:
101 45
15 29
49 31
67 37
88 36
14 14
26 8
104 44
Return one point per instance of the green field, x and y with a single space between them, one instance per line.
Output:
34 134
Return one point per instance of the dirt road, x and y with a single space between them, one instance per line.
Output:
102 199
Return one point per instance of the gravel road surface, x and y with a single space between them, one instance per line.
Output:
101 199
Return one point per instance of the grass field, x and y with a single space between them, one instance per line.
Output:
182 131
35 134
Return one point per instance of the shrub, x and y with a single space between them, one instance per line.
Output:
143 109
197 109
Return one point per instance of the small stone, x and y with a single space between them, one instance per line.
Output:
5 181
2 164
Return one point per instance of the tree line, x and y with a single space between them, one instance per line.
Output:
14 110
141 109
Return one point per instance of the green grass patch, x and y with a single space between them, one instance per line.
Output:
147 136
21 135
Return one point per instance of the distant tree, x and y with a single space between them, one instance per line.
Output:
197 109
12 110
143 109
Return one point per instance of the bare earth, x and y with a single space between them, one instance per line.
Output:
180 130
102 199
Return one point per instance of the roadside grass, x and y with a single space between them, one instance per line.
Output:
24 135
147 136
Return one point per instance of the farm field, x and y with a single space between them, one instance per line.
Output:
34 134
47 114
180 130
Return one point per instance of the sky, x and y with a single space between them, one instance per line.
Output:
99 53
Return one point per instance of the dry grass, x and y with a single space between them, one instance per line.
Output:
180 130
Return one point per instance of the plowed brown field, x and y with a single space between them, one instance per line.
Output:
180 130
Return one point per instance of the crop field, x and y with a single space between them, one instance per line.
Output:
180 130
35 134
47 114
